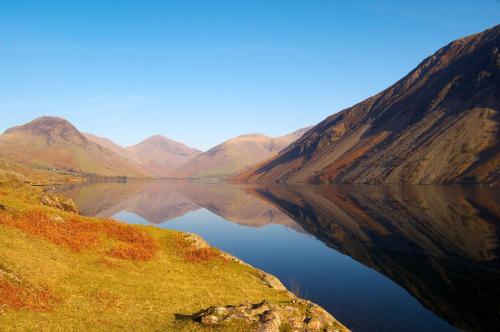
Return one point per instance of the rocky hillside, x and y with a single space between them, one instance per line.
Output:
51 142
439 124
159 155
236 155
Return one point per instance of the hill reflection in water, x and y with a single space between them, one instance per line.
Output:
438 243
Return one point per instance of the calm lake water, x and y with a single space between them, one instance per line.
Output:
379 258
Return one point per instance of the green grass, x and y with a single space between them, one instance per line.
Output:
95 291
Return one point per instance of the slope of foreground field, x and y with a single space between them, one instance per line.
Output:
62 271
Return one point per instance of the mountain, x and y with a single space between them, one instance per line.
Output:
237 204
439 124
51 142
236 155
161 201
156 156
159 155
108 144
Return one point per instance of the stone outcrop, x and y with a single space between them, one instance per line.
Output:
297 315
59 202
12 179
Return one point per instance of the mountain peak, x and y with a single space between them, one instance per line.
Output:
235 154
159 154
44 125
54 142
163 143
157 138
52 129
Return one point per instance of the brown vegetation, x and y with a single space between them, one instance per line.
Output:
201 255
77 235
195 254
134 244
17 297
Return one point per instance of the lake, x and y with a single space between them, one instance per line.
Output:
379 258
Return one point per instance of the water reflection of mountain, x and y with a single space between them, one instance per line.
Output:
238 204
154 201
160 201
440 244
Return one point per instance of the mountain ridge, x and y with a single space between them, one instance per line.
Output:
235 154
54 142
159 155
438 124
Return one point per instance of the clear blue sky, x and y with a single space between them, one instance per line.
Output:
203 71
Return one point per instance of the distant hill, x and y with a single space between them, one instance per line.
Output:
108 144
156 156
235 155
53 142
159 155
439 124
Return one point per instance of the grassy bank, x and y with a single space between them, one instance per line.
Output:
62 271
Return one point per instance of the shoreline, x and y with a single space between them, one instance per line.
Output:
40 241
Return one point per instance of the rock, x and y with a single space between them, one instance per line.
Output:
3 207
59 202
196 241
210 320
56 218
12 178
272 281
69 205
270 321
270 317
314 324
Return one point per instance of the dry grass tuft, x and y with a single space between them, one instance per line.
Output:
193 254
107 299
109 263
134 244
73 234
17 297
201 255
77 235
132 251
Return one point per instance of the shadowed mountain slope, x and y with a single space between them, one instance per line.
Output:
236 155
439 124
51 142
